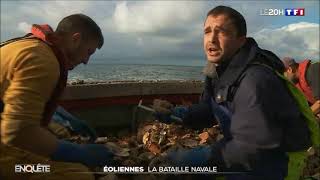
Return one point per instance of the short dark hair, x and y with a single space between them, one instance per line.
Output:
290 62
295 66
236 18
83 24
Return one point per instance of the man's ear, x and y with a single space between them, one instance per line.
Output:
290 70
76 38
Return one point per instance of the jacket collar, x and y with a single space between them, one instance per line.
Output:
46 34
42 32
233 68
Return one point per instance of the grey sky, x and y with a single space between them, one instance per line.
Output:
169 32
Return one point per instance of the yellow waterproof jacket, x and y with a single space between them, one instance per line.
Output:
29 74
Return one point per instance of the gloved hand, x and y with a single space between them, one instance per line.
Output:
66 119
91 155
165 110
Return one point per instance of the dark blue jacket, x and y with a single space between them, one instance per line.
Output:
260 106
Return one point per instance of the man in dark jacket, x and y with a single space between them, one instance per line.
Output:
250 102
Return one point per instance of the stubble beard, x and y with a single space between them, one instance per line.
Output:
210 69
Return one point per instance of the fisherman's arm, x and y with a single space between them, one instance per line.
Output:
255 128
200 115
33 80
31 86
313 78
263 107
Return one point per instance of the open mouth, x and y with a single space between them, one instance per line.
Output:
212 51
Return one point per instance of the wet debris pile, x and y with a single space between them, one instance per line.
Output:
159 137
313 164
154 138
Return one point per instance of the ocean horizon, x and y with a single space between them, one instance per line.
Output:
98 72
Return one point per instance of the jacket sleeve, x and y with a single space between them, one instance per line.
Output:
200 115
260 106
34 75
313 78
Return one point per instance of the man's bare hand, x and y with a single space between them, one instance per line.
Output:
316 107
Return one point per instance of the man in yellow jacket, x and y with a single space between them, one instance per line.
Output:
34 71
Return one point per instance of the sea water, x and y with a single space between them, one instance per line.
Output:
134 72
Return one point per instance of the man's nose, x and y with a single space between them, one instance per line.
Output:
214 36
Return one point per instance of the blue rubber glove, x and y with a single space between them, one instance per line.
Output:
178 111
91 155
61 116
199 156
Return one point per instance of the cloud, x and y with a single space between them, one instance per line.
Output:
159 28
299 40
53 11
153 16
173 29
24 27
16 14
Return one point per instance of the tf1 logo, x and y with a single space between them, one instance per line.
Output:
294 12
